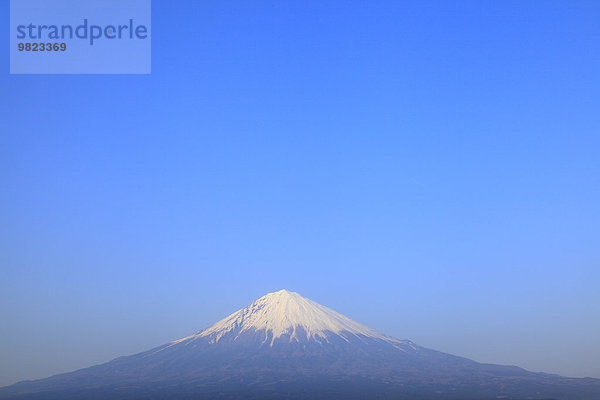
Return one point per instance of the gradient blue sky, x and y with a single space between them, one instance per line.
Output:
429 169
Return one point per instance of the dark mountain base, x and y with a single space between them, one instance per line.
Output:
351 389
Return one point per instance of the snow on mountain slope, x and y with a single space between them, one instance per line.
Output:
288 313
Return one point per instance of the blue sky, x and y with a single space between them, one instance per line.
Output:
429 170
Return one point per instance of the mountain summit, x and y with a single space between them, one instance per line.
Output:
285 346
287 316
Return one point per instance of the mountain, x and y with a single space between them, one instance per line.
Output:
284 346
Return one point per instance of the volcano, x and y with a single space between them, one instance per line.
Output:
285 346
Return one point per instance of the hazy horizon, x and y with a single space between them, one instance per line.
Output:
428 170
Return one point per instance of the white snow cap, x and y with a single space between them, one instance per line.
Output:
284 312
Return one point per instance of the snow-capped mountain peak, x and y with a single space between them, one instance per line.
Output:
288 314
